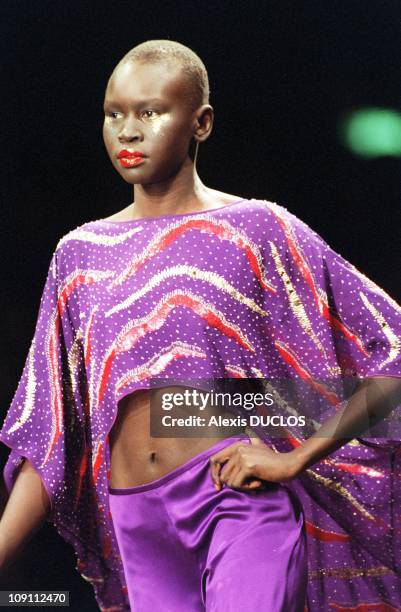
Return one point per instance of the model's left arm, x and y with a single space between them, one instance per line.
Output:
372 402
360 328
366 330
246 466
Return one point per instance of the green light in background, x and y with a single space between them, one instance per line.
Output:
372 132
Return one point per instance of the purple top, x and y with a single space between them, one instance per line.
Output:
244 290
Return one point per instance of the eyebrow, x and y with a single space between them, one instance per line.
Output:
110 102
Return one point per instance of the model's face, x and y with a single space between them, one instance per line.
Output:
148 123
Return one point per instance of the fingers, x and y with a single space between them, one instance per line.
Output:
228 472
232 475
254 484
224 474
238 479
235 477
218 459
215 473
227 467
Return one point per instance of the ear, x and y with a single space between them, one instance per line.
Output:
204 117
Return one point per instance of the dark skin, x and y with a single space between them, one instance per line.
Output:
165 183
242 466
148 109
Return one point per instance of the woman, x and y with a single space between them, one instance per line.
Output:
191 283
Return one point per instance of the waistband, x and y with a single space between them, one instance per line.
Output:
181 468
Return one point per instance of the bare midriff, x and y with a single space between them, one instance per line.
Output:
136 457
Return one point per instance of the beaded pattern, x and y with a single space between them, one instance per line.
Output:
245 290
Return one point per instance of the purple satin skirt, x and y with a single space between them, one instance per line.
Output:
187 548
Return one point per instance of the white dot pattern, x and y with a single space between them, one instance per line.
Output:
245 290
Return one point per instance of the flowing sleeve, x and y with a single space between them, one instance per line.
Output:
44 408
353 329
49 423
365 320
364 323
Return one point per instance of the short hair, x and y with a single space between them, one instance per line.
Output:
154 51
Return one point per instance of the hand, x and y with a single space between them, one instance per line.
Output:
247 466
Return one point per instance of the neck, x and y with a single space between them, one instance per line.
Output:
183 193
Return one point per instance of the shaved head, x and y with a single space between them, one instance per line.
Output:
171 52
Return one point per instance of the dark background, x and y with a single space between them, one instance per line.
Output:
281 74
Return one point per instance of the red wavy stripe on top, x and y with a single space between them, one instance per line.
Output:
105 375
107 546
325 536
379 606
98 461
156 319
84 463
69 288
55 368
80 278
341 327
234 373
321 304
151 369
293 441
354 468
290 358
212 318
55 375
82 469
254 263
209 226
87 349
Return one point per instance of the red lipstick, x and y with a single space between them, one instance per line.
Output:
130 159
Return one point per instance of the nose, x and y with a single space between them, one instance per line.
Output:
130 131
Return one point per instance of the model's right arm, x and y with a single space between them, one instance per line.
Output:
26 511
